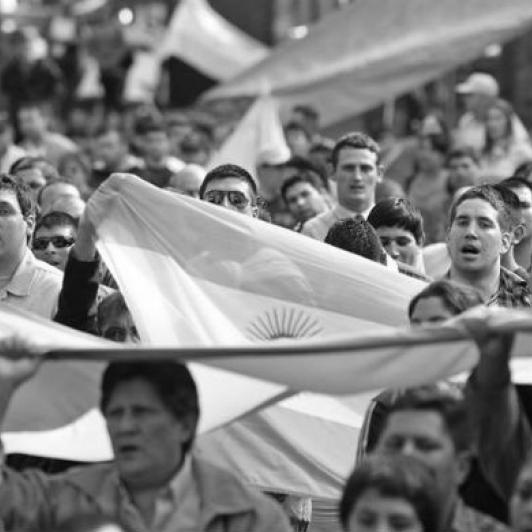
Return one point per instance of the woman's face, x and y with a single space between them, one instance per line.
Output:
496 124
374 512
521 502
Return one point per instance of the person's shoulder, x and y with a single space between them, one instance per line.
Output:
47 271
89 479
317 221
236 496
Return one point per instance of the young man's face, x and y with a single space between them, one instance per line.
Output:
430 311
400 244
304 201
31 122
110 149
475 239
156 145
231 193
463 170
357 174
53 244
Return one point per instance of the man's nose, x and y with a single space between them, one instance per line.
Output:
393 250
409 449
126 423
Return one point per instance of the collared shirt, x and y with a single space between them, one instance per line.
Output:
319 226
513 291
466 519
34 286
181 493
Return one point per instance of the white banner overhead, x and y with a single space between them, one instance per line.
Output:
373 50
200 36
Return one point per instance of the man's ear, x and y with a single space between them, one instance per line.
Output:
518 234
463 466
380 173
30 224
507 241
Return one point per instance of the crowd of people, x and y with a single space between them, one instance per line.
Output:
450 207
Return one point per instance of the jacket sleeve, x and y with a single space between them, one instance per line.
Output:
78 294
25 501
503 434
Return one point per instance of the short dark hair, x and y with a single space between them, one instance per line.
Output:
55 219
398 212
516 182
302 164
524 171
463 152
456 297
225 171
22 193
172 382
511 200
302 177
48 170
488 194
446 401
401 477
357 140
357 236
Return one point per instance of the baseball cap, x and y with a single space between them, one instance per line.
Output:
479 83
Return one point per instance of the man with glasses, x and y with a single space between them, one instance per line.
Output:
232 187
55 233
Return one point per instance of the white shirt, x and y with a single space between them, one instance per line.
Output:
319 226
34 287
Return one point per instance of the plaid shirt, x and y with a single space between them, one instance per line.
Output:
513 291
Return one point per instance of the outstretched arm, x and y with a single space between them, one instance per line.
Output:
503 433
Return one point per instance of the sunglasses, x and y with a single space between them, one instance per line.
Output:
236 199
57 241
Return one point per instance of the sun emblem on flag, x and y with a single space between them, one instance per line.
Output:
281 323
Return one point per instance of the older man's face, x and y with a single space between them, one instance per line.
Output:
147 438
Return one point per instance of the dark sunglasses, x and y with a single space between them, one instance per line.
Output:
57 242
236 199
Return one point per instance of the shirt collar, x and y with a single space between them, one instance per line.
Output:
342 212
22 279
181 482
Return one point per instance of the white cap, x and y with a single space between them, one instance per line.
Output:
479 83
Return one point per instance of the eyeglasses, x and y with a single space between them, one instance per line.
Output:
57 241
236 199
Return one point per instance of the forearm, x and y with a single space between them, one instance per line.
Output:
78 293
503 436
